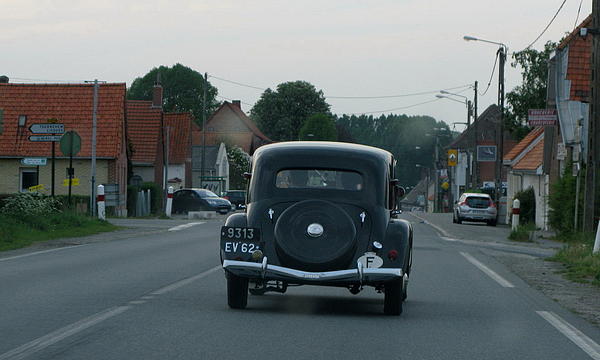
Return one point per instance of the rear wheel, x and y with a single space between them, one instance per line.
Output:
458 219
237 291
392 303
491 222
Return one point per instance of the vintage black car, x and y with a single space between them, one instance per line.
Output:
319 213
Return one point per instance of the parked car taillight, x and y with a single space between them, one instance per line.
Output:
492 204
464 203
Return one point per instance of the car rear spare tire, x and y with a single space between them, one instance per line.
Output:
315 235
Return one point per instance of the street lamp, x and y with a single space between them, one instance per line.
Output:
501 53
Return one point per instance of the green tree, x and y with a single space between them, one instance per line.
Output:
531 94
182 90
319 127
281 113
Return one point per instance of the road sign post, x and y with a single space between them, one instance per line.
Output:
51 128
70 144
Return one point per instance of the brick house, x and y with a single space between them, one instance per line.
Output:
22 105
229 124
180 127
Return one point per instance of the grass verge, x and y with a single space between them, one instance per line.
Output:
522 233
580 264
18 232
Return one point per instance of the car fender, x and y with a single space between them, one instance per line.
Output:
237 219
399 237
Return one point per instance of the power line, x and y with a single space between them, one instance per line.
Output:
547 26
578 12
395 109
238 83
491 76
397 96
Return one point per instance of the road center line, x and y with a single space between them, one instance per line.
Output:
185 226
572 333
489 272
39 252
52 338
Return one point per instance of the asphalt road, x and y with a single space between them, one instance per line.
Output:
161 295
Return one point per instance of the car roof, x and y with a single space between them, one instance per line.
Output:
478 194
292 147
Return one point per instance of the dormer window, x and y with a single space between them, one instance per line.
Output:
22 120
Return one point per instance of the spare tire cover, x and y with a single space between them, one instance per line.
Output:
331 249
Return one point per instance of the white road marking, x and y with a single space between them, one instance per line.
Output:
184 282
572 333
52 338
185 226
489 272
39 252
442 231
448 238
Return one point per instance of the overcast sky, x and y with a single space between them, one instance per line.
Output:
345 48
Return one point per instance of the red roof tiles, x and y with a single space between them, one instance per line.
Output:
523 144
143 130
71 105
579 70
533 159
180 129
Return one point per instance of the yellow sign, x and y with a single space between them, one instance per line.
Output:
36 187
452 157
53 120
445 185
74 182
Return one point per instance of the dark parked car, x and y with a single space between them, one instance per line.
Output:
185 200
236 197
475 207
319 213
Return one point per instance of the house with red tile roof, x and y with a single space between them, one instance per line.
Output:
145 141
526 170
179 127
229 124
23 105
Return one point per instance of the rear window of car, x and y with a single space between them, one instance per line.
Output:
478 201
319 179
206 193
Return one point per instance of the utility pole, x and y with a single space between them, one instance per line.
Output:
593 154
203 128
93 177
500 135
475 174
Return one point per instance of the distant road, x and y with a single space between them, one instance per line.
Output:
162 295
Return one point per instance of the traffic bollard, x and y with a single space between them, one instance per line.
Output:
101 205
516 210
169 201
597 242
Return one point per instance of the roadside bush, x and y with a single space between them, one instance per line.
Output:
581 265
527 199
78 202
562 202
30 204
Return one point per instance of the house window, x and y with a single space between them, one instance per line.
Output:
29 178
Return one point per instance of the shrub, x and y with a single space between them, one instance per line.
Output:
562 202
527 199
24 205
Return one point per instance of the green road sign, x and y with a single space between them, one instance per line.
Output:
70 143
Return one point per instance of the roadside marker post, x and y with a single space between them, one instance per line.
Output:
516 210
597 242
169 201
101 205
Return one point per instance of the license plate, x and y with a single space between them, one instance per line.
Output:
239 242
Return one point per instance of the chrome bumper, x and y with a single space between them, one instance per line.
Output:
359 275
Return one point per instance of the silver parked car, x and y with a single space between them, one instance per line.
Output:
475 207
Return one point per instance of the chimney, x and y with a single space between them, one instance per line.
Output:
237 103
3 79
157 94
